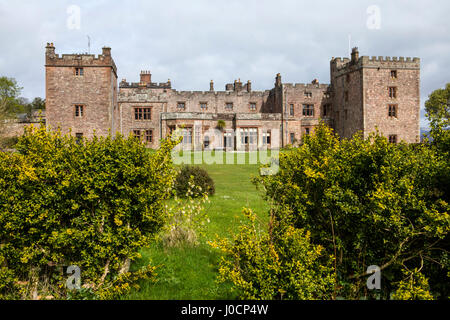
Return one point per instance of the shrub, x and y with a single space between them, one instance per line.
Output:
285 265
367 202
92 204
200 178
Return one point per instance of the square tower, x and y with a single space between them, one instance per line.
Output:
371 93
81 92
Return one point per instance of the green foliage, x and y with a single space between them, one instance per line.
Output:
264 266
9 95
414 287
438 113
366 201
221 124
186 218
438 105
200 178
92 204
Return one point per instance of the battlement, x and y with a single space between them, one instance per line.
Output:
221 93
392 59
339 64
151 85
306 86
79 59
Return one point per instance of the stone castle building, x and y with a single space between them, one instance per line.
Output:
83 95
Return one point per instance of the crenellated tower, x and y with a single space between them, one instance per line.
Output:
370 93
81 92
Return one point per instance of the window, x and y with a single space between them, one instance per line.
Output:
292 137
203 106
346 96
206 142
308 110
394 74
181 105
308 94
252 106
229 106
187 136
137 134
393 138
149 135
228 140
392 112
347 78
78 137
326 95
79 71
345 114
249 136
79 111
266 138
142 113
171 129
307 130
291 110
393 92
326 109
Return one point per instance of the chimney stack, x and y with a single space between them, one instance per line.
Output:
106 51
278 80
355 55
146 77
211 86
237 85
50 49
249 86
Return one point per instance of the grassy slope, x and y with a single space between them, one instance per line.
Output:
190 272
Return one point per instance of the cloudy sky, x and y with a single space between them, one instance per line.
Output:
192 42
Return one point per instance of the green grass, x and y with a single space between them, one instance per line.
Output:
190 272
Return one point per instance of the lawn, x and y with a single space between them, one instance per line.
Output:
190 272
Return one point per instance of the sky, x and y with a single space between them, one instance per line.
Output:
193 42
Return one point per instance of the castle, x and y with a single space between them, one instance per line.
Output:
365 93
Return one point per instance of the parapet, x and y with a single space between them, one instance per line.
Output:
79 59
306 86
343 64
152 85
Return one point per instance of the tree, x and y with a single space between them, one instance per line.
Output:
438 113
438 105
9 95
38 103
367 202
